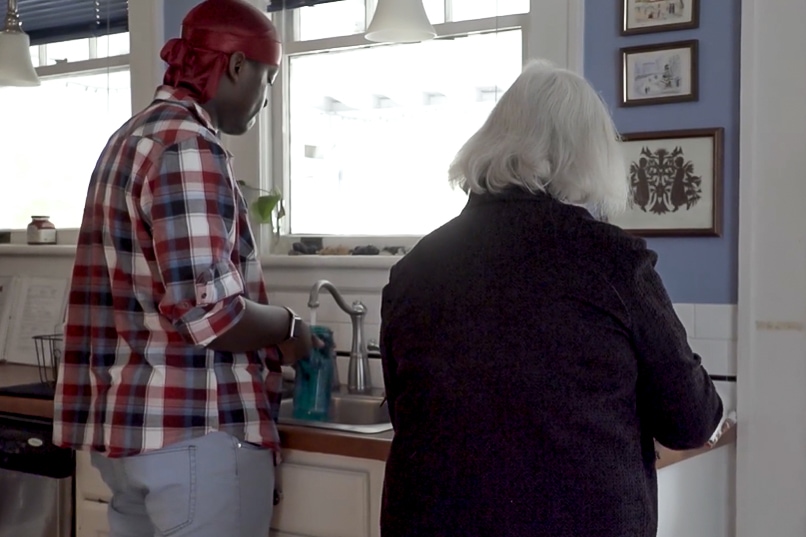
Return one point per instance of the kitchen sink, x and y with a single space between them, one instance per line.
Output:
348 412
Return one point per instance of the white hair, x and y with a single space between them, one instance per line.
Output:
550 132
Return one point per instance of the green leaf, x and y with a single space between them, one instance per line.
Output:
264 206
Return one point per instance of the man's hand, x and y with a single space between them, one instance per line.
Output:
299 347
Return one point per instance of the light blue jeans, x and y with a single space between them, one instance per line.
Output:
212 486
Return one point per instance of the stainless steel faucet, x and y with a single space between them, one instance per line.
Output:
358 377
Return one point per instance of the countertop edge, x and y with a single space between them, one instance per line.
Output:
23 406
377 446
329 442
668 457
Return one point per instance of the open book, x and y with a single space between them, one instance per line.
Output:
29 306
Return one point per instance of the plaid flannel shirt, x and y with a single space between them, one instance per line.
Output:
164 261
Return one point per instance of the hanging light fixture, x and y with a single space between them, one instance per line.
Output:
400 21
16 68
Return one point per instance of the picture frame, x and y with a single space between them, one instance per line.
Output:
660 74
650 16
676 182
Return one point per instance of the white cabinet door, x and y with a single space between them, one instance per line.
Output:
92 497
697 496
89 485
328 496
91 519
323 496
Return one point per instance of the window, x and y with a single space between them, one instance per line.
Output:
368 130
52 135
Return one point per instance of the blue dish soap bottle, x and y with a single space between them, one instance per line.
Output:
313 383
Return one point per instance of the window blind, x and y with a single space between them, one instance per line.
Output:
49 21
277 5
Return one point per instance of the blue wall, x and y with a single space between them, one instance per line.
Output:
700 270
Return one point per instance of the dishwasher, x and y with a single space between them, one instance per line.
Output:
36 480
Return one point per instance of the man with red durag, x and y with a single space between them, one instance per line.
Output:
170 373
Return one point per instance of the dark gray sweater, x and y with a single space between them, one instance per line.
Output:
531 355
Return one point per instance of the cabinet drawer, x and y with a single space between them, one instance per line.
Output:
321 501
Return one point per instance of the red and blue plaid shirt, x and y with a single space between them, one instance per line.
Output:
165 259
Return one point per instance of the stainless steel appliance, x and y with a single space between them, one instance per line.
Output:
36 480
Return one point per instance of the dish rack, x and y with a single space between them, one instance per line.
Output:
48 356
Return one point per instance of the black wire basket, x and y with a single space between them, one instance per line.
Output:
48 356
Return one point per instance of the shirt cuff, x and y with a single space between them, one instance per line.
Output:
215 322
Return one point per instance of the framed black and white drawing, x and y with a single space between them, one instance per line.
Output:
675 183
657 74
647 16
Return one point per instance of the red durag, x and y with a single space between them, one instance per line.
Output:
211 32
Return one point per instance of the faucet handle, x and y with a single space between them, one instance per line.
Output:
372 346
359 308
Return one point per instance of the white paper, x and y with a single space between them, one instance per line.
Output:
6 305
39 310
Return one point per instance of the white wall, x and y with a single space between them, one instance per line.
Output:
146 40
771 451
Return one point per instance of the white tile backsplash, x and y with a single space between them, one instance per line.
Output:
711 328
343 333
714 337
727 392
718 355
685 312
715 321
375 371
328 311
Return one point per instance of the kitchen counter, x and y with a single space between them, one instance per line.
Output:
363 446
13 374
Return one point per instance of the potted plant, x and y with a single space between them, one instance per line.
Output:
266 206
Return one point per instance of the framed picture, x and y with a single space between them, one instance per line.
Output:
647 16
658 74
675 183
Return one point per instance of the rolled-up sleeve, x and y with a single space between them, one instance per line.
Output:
191 205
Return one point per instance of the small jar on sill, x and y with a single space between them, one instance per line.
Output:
41 231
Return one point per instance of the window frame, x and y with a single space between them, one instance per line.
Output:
80 67
146 38
61 69
540 38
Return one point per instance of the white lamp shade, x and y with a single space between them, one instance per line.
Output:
16 68
400 21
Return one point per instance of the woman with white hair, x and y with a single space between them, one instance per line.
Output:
531 353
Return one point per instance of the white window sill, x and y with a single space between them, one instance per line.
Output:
330 261
47 250
269 261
